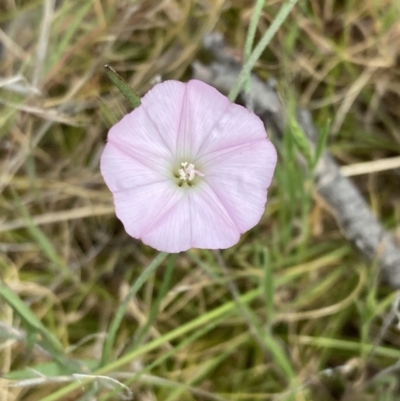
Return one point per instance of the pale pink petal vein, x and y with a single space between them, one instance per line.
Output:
188 168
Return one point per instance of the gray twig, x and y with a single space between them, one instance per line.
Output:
351 211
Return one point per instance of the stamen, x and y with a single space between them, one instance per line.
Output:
188 172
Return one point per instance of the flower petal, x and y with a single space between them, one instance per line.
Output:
151 130
121 171
203 107
163 105
140 193
138 208
239 176
198 220
171 232
236 126
212 226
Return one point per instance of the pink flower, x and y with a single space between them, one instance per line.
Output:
188 168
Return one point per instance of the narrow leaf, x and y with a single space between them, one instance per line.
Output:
123 86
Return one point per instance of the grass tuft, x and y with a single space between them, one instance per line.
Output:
290 313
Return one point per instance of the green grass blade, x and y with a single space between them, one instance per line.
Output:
251 33
321 143
49 369
119 315
224 310
156 306
268 287
164 356
68 36
48 341
41 239
264 42
26 315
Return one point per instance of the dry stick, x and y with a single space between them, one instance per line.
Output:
351 211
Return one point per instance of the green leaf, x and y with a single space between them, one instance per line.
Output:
123 86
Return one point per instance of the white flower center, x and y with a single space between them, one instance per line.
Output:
188 172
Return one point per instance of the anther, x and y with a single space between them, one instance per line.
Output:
188 172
